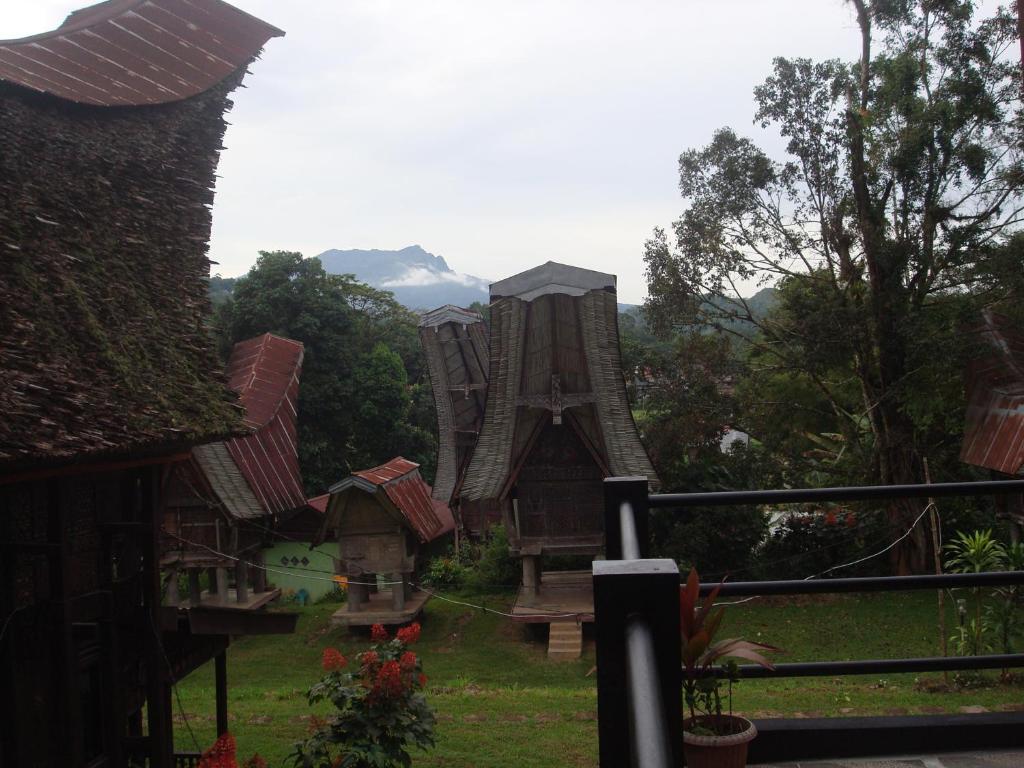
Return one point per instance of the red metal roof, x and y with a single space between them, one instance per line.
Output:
994 433
134 52
407 490
265 373
319 503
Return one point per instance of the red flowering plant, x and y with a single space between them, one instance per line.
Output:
381 710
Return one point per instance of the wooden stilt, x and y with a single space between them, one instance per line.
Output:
221 684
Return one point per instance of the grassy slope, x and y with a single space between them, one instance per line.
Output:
500 702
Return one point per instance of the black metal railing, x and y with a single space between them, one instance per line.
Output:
636 614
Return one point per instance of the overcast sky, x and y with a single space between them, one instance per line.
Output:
496 134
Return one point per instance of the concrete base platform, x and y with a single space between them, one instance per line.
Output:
560 592
211 600
378 610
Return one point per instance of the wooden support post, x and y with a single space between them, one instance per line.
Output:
371 579
172 598
531 583
195 591
211 583
407 585
356 593
146 497
259 576
241 581
398 592
222 584
221 684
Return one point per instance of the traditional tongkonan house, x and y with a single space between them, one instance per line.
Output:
381 518
994 432
454 341
557 420
110 133
222 503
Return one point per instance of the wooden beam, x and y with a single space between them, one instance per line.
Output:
146 505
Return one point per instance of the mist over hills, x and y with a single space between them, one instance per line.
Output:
417 278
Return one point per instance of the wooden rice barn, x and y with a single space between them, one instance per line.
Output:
556 422
454 341
381 518
994 432
108 376
222 503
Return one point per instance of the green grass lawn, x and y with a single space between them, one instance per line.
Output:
500 702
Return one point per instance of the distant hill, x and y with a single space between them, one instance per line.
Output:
417 278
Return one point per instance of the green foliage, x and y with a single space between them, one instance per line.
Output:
699 622
494 568
480 568
990 617
361 352
887 225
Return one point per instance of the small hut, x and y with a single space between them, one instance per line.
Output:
222 503
381 518
994 432
110 132
454 341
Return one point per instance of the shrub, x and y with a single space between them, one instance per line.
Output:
381 711
495 568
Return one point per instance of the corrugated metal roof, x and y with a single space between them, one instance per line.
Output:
136 52
265 372
227 481
319 503
401 481
994 432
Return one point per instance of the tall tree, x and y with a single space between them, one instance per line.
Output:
904 171
361 351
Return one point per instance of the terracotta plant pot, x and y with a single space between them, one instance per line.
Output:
718 751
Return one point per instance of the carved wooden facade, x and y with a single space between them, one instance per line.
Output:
556 419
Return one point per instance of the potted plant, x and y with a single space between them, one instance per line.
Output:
712 738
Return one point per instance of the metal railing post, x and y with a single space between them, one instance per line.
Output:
636 620
616 491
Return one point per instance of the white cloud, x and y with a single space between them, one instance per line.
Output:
420 275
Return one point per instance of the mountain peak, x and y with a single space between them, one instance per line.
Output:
417 278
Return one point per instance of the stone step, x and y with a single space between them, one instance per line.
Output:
565 640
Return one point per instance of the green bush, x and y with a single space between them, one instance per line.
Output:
495 568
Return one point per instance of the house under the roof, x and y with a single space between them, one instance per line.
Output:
381 518
994 429
454 341
222 503
110 132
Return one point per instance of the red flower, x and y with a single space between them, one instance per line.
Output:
851 520
333 660
369 658
407 661
378 634
256 762
423 680
221 754
830 518
410 634
389 679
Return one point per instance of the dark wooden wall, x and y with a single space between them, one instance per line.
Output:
79 586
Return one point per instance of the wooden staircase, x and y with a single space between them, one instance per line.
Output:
565 640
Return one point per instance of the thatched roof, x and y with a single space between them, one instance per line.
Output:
454 341
554 357
104 225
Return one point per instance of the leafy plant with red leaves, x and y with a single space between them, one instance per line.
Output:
699 622
381 711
